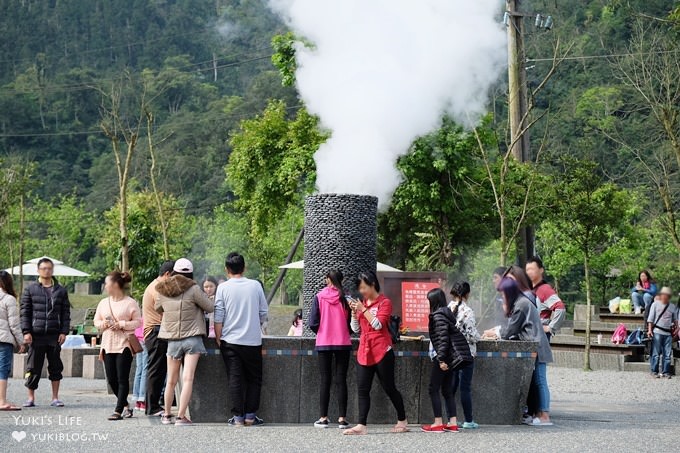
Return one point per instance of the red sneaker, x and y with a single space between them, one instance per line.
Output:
451 428
433 428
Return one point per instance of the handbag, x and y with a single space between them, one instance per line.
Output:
135 345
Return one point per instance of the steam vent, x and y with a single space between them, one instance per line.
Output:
340 233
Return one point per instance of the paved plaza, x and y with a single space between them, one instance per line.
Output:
598 411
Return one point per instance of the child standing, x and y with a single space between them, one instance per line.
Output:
465 321
441 323
297 325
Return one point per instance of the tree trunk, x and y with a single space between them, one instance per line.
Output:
157 196
589 317
22 235
504 252
124 246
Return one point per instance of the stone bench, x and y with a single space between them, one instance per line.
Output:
290 392
72 359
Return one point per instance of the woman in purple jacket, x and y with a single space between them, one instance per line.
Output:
329 318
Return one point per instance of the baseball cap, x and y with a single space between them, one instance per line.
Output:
183 266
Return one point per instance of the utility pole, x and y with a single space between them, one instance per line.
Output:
518 109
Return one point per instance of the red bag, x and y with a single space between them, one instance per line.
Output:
620 334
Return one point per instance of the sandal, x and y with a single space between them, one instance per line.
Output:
10 407
29 403
356 431
127 413
115 416
400 429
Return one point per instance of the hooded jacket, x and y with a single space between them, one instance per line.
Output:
10 330
329 319
444 336
44 315
183 305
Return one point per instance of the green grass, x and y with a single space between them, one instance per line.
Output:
81 301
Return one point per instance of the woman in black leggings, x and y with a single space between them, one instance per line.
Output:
375 354
329 319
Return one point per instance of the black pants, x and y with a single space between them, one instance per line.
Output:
244 371
442 381
385 371
36 359
117 368
157 368
326 377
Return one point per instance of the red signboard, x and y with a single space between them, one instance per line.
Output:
415 306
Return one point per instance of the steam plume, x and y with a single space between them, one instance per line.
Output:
382 72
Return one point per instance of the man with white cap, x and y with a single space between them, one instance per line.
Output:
661 322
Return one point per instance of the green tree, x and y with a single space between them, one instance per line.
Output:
271 167
442 207
591 215
145 240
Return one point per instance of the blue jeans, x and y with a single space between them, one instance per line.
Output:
139 386
641 300
6 358
463 379
662 345
540 380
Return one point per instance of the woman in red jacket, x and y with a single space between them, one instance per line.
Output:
370 318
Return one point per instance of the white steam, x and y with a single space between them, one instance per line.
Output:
383 72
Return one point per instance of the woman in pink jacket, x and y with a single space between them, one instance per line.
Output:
329 318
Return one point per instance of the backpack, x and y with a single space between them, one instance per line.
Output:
635 337
619 335
394 326
460 348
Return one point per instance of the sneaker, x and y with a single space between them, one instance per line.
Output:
654 375
638 311
665 376
142 405
527 419
470 425
451 428
343 425
183 421
166 419
257 421
434 428
235 421
321 423
538 422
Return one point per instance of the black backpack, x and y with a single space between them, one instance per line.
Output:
394 327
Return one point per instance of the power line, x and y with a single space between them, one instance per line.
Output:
593 57
66 88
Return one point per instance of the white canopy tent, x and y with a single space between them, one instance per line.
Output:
60 269
301 265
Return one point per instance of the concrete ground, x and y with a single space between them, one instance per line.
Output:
598 411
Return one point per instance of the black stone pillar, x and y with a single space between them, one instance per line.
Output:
340 233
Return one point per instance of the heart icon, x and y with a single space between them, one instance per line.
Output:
19 435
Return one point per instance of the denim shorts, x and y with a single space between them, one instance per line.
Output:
177 349
6 357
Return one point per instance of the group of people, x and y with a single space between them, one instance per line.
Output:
534 312
661 322
175 319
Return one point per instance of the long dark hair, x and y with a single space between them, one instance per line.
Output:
521 277
460 289
437 299
369 278
512 293
336 278
7 283
297 316
649 276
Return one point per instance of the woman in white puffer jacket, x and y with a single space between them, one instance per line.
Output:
10 336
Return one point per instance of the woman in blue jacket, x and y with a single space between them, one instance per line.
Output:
643 292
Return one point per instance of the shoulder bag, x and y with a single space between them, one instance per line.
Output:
135 345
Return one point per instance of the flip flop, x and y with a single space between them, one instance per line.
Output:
57 403
11 407
353 432
29 403
400 429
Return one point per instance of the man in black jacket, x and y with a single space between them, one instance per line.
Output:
45 322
